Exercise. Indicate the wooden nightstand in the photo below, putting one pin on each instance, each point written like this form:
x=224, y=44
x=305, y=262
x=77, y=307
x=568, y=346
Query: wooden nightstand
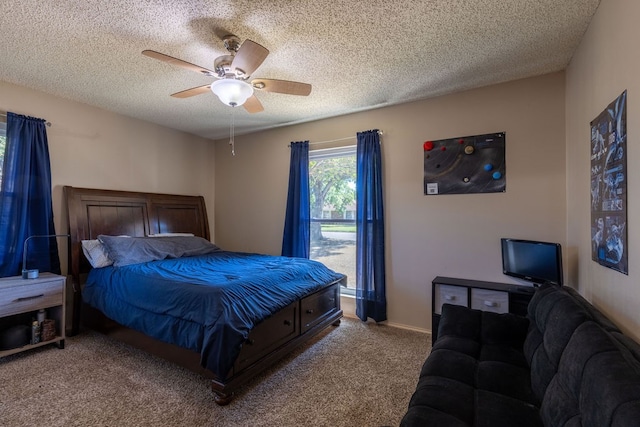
x=21, y=299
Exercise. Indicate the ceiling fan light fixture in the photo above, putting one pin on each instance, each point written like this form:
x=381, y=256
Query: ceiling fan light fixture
x=231, y=91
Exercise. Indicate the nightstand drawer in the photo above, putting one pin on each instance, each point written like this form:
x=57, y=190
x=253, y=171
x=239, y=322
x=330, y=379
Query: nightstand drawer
x=30, y=297
x=445, y=294
x=490, y=300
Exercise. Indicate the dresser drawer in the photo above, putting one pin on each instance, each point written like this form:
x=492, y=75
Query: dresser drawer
x=315, y=308
x=490, y=300
x=25, y=297
x=446, y=294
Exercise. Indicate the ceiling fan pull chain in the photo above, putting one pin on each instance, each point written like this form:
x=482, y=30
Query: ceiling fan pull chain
x=232, y=141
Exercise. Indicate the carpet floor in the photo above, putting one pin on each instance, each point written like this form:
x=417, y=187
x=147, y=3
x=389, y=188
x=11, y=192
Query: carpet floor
x=356, y=374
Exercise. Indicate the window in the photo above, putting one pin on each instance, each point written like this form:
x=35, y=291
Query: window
x=332, y=182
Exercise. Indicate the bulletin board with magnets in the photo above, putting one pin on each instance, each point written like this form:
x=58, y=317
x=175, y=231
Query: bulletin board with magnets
x=464, y=165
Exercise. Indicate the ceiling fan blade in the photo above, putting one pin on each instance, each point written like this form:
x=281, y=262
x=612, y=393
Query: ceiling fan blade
x=253, y=105
x=178, y=62
x=249, y=57
x=192, y=92
x=282, y=86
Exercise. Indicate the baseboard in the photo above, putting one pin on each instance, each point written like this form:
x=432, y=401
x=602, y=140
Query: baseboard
x=348, y=306
x=409, y=328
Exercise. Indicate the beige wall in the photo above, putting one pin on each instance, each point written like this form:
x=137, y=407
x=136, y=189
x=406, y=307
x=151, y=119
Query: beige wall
x=94, y=148
x=456, y=235
x=605, y=64
x=450, y=235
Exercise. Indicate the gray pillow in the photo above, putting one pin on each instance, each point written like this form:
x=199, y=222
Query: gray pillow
x=133, y=250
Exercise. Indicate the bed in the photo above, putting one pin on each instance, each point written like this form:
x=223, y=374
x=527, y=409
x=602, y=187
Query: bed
x=229, y=315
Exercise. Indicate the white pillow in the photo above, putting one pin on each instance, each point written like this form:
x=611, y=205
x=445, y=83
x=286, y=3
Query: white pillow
x=96, y=253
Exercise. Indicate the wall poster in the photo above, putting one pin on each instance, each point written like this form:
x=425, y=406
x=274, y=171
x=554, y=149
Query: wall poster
x=609, y=186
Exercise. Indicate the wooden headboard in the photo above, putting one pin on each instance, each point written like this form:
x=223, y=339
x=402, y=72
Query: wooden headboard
x=92, y=212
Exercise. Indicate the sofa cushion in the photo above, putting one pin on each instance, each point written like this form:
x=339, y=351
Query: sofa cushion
x=498, y=410
x=476, y=374
x=460, y=322
x=506, y=380
x=440, y=401
x=451, y=364
x=505, y=354
x=503, y=329
x=483, y=326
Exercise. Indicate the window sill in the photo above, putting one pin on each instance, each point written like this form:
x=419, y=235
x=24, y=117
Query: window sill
x=347, y=292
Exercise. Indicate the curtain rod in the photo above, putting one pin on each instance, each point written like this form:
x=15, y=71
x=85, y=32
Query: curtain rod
x=4, y=114
x=339, y=139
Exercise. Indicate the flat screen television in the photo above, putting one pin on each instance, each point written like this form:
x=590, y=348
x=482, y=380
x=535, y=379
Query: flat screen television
x=536, y=262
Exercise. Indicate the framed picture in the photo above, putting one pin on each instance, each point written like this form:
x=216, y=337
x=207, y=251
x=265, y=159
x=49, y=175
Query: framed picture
x=463, y=165
x=609, y=186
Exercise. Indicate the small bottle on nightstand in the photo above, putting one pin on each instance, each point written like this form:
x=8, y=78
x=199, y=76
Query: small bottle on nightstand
x=35, y=332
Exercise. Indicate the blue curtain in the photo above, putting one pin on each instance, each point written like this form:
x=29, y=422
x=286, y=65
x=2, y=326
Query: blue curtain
x=25, y=198
x=371, y=298
x=296, y=241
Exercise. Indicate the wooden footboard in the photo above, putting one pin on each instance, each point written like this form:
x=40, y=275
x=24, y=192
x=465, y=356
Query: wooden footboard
x=267, y=343
x=277, y=336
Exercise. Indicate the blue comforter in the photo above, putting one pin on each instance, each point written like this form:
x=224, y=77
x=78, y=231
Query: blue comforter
x=206, y=303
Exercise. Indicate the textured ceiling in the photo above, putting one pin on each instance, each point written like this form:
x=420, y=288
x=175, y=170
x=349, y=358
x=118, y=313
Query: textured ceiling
x=357, y=55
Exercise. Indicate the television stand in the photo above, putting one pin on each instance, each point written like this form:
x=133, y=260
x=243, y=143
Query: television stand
x=487, y=296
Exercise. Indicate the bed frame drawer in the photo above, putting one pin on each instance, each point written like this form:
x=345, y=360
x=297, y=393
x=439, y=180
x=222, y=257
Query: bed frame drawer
x=317, y=307
x=268, y=335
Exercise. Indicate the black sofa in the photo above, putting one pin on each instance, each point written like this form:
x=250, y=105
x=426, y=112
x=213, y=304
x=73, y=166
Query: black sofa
x=565, y=364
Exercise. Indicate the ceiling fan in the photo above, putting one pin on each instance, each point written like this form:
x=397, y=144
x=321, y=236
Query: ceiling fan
x=233, y=71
